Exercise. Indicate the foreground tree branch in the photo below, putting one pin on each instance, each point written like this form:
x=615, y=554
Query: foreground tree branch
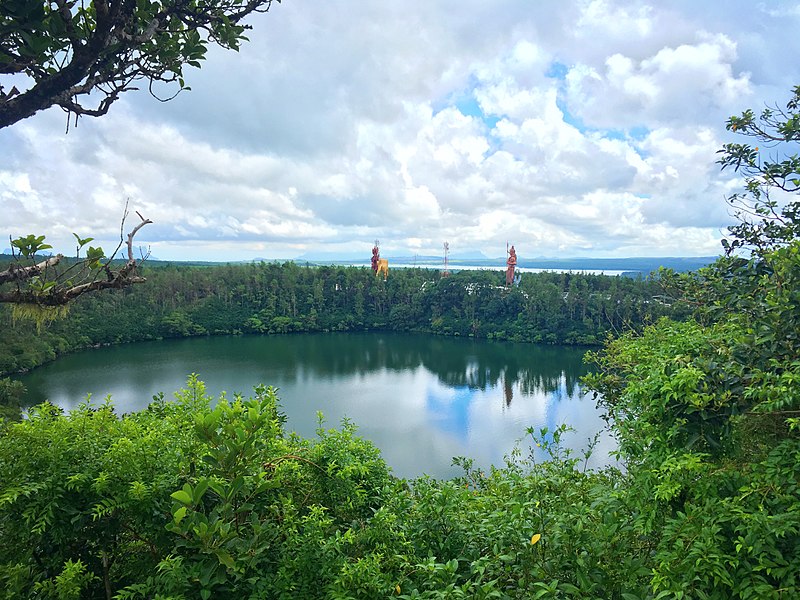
x=57, y=52
x=768, y=211
x=44, y=284
x=20, y=273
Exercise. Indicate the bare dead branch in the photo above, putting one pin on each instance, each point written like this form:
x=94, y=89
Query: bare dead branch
x=19, y=273
x=61, y=297
x=133, y=232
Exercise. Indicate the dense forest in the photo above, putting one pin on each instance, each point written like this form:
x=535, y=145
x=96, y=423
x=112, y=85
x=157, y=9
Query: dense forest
x=270, y=298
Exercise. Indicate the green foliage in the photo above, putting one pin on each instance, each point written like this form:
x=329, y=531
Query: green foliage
x=29, y=245
x=37, y=314
x=705, y=411
x=41, y=289
x=714, y=490
x=736, y=535
x=669, y=389
x=179, y=324
x=12, y=395
x=528, y=530
x=186, y=499
x=258, y=517
x=180, y=499
x=57, y=55
x=766, y=222
x=70, y=584
x=79, y=494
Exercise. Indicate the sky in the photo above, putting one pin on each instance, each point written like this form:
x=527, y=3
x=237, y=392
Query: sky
x=567, y=128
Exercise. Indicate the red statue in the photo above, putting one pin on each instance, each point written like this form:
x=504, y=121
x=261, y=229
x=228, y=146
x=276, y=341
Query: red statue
x=512, y=264
x=375, y=258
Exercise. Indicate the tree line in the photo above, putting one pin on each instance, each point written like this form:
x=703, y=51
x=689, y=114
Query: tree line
x=272, y=298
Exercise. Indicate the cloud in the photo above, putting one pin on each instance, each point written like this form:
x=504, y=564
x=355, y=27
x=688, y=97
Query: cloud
x=689, y=83
x=588, y=128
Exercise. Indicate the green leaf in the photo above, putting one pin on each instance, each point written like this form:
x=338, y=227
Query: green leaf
x=30, y=245
x=182, y=496
x=199, y=490
x=82, y=241
x=179, y=514
x=225, y=558
x=568, y=588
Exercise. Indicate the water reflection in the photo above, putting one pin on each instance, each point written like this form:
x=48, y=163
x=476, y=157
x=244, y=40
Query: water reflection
x=456, y=363
x=421, y=399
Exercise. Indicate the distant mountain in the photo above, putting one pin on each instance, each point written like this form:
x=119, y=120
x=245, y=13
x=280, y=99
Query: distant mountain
x=139, y=251
x=259, y=259
x=632, y=264
x=332, y=257
x=629, y=264
x=467, y=255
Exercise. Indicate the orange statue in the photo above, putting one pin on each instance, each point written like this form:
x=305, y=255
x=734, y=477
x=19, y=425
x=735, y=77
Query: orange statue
x=379, y=265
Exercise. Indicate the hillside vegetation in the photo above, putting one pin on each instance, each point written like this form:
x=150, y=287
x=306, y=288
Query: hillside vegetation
x=269, y=298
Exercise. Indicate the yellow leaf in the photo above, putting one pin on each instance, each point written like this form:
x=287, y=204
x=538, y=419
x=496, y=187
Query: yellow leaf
x=535, y=538
x=397, y=588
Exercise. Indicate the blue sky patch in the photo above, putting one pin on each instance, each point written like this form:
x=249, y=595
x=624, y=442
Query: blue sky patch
x=557, y=70
x=469, y=107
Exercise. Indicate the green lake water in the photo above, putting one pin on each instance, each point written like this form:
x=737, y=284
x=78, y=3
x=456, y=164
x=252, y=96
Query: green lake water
x=421, y=399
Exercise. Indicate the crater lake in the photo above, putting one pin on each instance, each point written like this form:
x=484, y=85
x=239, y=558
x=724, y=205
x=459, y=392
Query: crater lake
x=421, y=399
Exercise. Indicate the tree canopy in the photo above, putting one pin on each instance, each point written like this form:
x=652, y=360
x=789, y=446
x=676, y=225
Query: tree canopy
x=768, y=209
x=82, y=55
